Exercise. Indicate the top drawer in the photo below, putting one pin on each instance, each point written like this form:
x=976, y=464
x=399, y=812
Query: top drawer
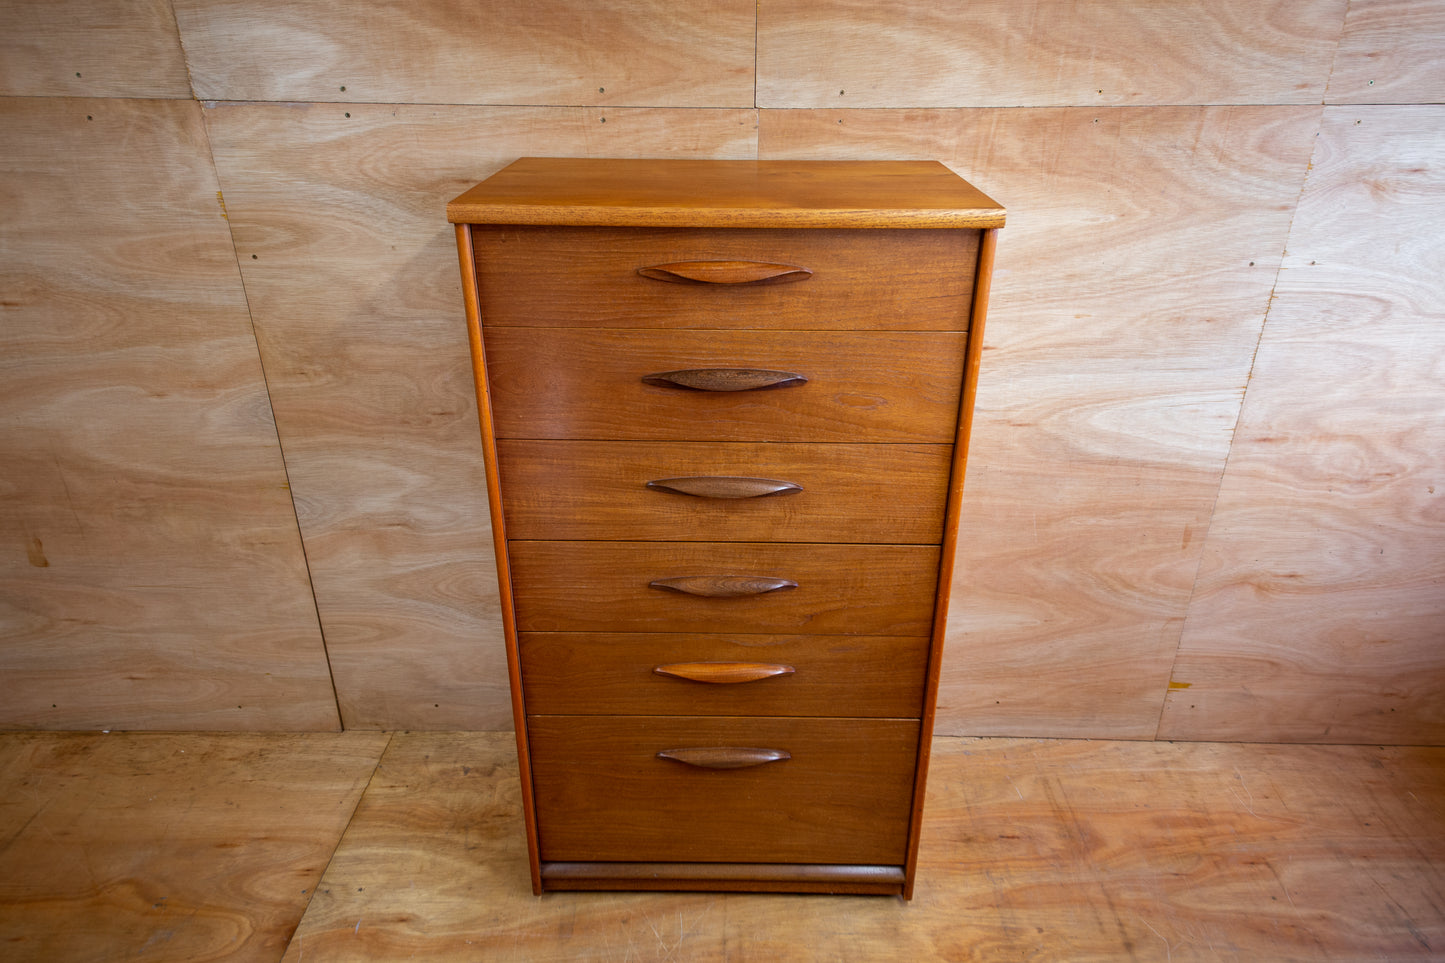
x=900, y=280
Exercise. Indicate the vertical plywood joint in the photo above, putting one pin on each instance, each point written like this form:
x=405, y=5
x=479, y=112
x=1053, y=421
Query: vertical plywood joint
x=1335, y=56
x=1238, y=420
x=276, y=427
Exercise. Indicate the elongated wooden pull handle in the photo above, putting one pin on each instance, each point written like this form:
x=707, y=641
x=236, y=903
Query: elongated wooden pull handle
x=723, y=586
x=723, y=673
x=724, y=379
x=724, y=486
x=725, y=272
x=725, y=757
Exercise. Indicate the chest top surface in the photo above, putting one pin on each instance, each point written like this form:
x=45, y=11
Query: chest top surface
x=717, y=193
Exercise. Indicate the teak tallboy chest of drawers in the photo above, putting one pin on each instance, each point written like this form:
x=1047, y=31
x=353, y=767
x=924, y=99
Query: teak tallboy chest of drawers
x=725, y=409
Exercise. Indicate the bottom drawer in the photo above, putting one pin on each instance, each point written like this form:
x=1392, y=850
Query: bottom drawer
x=841, y=793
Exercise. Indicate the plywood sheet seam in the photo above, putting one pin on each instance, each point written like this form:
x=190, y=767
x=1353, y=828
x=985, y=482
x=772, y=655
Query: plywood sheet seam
x=1238, y=420
x=280, y=442
x=186, y=63
x=390, y=738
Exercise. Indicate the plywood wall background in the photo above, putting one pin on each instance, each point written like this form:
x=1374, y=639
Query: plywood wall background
x=240, y=484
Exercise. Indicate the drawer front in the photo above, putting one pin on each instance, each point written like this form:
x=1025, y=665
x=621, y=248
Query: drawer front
x=920, y=280
x=701, y=491
x=843, y=795
x=561, y=383
x=665, y=673
x=609, y=586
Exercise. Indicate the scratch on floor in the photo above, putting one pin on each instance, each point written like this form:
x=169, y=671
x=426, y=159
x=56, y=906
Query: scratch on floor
x=1168, y=949
x=1250, y=803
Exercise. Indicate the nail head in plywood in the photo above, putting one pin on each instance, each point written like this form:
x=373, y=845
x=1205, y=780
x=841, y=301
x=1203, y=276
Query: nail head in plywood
x=1390, y=54
x=91, y=48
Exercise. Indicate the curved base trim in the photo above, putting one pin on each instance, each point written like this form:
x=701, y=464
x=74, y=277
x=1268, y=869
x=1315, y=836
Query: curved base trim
x=736, y=877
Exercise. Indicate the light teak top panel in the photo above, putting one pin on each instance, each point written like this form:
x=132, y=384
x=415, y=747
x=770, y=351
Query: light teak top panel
x=707, y=193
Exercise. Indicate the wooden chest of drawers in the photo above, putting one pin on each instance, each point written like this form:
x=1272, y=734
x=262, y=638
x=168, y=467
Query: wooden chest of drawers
x=725, y=411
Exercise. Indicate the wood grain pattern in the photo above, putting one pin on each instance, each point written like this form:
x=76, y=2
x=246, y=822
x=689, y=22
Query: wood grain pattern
x=1320, y=611
x=153, y=576
x=630, y=192
x=1069, y=850
x=849, y=493
x=169, y=847
x=617, y=673
x=91, y=48
x=1128, y=297
x=351, y=274
x=887, y=387
x=898, y=280
x=812, y=790
x=1005, y=53
x=1389, y=53
x=842, y=589
x=643, y=53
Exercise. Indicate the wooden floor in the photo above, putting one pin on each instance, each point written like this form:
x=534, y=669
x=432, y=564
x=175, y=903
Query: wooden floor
x=374, y=846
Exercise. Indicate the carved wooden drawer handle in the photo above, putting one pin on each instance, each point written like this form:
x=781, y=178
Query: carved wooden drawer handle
x=725, y=272
x=724, y=379
x=725, y=757
x=724, y=486
x=723, y=586
x=723, y=673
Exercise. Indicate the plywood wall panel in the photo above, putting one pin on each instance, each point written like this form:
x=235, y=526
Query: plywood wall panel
x=91, y=48
x=1391, y=53
x=646, y=53
x=152, y=573
x=1009, y=53
x=1320, y=610
x=351, y=270
x=1130, y=288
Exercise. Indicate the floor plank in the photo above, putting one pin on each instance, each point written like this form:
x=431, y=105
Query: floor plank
x=1032, y=850
x=169, y=846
